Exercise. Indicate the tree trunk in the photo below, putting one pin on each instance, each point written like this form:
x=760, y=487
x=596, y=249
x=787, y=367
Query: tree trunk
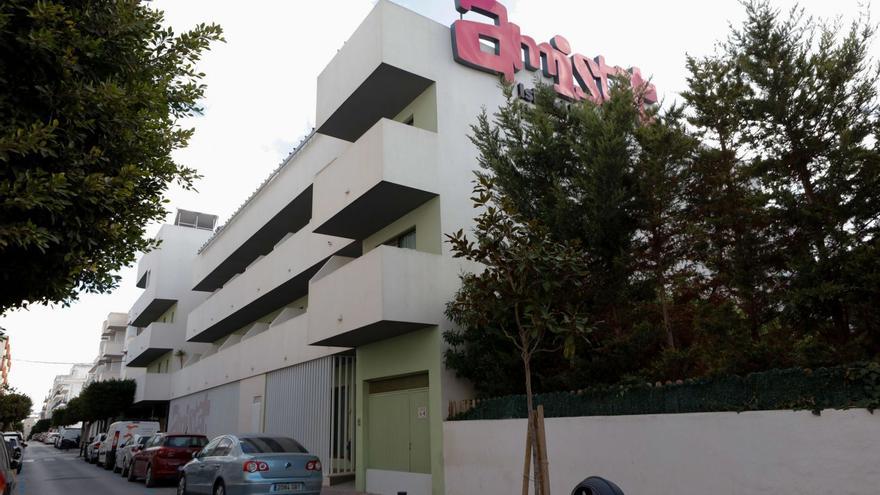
x=527, y=358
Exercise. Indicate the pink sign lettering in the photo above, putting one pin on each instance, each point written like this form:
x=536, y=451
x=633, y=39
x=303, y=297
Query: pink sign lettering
x=500, y=48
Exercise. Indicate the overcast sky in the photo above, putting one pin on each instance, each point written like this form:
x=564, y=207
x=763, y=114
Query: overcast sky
x=261, y=100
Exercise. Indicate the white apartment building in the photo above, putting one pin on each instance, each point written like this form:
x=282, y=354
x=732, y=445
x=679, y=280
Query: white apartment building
x=154, y=342
x=108, y=363
x=5, y=358
x=321, y=301
x=64, y=388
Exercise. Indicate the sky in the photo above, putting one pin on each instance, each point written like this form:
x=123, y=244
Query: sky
x=260, y=102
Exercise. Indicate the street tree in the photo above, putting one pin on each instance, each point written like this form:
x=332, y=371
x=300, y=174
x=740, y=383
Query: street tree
x=91, y=97
x=14, y=407
x=530, y=290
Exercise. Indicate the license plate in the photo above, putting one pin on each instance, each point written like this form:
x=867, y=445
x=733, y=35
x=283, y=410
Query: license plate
x=287, y=487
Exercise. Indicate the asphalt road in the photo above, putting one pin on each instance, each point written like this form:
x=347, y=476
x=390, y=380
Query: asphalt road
x=49, y=471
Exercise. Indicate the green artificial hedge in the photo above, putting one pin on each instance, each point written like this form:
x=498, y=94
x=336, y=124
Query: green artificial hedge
x=841, y=387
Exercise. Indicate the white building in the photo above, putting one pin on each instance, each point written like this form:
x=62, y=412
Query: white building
x=155, y=343
x=108, y=363
x=321, y=301
x=64, y=388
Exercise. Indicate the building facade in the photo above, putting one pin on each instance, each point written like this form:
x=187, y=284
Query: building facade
x=318, y=308
x=64, y=388
x=108, y=363
x=155, y=346
x=5, y=358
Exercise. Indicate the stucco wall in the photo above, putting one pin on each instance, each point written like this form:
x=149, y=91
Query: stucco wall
x=762, y=452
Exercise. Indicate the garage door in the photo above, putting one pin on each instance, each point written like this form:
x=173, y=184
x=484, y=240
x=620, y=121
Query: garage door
x=398, y=433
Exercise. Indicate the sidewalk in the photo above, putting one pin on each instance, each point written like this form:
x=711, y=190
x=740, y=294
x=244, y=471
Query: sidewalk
x=341, y=489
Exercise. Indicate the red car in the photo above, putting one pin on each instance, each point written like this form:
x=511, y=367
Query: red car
x=163, y=455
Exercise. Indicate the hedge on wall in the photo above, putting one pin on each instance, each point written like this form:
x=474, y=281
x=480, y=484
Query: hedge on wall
x=842, y=387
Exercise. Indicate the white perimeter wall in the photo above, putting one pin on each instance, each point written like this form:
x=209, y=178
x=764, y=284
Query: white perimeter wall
x=751, y=453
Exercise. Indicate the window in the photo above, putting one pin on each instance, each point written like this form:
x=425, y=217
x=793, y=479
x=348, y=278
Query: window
x=406, y=240
x=154, y=441
x=223, y=448
x=266, y=445
x=209, y=449
x=185, y=441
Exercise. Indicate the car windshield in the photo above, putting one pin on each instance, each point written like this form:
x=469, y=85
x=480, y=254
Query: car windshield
x=263, y=445
x=186, y=442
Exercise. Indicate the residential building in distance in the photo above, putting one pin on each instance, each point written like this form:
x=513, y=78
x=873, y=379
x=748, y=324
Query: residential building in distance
x=5, y=358
x=108, y=363
x=155, y=339
x=64, y=388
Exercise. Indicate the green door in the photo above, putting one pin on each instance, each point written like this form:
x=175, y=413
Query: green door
x=398, y=433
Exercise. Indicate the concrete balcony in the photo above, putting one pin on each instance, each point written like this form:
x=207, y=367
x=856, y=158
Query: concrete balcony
x=379, y=70
x=283, y=204
x=152, y=304
x=153, y=342
x=386, y=292
x=110, y=348
x=388, y=172
x=114, y=322
x=151, y=387
x=270, y=283
x=276, y=346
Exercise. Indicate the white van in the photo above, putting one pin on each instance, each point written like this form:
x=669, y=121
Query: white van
x=119, y=434
x=69, y=438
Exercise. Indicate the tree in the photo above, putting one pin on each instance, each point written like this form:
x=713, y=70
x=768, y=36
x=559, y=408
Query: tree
x=41, y=426
x=60, y=417
x=792, y=107
x=14, y=407
x=530, y=290
x=106, y=399
x=90, y=97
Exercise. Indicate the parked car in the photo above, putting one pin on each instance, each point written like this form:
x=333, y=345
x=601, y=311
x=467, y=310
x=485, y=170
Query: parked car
x=69, y=438
x=50, y=438
x=92, y=448
x=162, y=457
x=15, y=449
x=120, y=433
x=251, y=464
x=125, y=454
x=7, y=472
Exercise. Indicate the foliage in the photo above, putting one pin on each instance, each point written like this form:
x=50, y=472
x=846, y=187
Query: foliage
x=839, y=387
x=14, y=407
x=60, y=417
x=106, y=399
x=735, y=234
x=41, y=426
x=90, y=97
x=529, y=290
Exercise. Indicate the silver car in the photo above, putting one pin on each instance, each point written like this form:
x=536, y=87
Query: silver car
x=125, y=454
x=251, y=465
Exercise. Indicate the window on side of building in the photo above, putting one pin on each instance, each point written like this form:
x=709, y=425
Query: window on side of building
x=406, y=240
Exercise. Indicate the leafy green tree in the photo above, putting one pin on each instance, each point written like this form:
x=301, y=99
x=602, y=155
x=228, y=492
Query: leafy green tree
x=530, y=287
x=106, y=399
x=90, y=97
x=791, y=106
x=41, y=426
x=14, y=407
x=59, y=417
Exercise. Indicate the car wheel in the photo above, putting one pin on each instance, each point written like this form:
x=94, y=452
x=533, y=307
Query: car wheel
x=219, y=488
x=181, y=486
x=131, y=476
x=149, y=482
x=117, y=468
